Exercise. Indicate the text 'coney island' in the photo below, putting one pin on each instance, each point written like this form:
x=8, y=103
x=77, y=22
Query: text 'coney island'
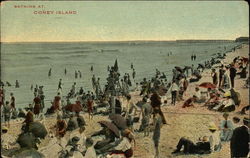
x=54, y=12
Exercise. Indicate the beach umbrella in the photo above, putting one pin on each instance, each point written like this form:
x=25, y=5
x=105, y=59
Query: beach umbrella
x=38, y=129
x=118, y=120
x=112, y=127
x=27, y=140
x=116, y=66
x=73, y=107
x=207, y=85
x=29, y=153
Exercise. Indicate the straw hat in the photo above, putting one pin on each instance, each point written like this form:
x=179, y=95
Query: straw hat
x=227, y=94
x=4, y=128
x=212, y=126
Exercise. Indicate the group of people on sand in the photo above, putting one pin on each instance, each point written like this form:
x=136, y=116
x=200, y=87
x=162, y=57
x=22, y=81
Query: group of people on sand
x=228, y=131
x=118, y=137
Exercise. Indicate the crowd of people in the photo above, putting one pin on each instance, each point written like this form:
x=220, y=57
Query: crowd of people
x=117, y=136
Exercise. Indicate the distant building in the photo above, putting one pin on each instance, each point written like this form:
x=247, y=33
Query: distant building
x=242, y=39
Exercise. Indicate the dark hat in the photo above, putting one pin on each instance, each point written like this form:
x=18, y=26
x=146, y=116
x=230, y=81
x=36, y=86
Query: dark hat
x=237, y=119
x=89, y=141
x=75, y=139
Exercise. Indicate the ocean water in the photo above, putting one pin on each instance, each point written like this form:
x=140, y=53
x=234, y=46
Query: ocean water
x=29, y=63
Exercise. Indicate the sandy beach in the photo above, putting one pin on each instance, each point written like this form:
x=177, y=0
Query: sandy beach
x=191, y=122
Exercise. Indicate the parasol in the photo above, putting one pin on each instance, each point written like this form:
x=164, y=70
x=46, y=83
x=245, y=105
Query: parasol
x=73, y=107
x=38, y=129
x=118, y=120
x=207, y=85
x=111, y=127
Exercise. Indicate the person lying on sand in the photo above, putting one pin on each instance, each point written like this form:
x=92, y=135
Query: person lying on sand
x=201, y=147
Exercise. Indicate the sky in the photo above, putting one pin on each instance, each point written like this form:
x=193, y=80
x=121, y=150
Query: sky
x=124, y=20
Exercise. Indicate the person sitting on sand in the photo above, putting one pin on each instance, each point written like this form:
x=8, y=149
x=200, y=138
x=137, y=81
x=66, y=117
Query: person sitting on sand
x=90, y=152
x=29, y=118
x=213, y=101
x=60, y=128
x=82, y=138
x=201, y=147
x=226, y=127
x=125, y=145
x=243, y=73
x=228, y=105
x=107, y=143
x=189, y=102
x=214, y=138
x=72, y=123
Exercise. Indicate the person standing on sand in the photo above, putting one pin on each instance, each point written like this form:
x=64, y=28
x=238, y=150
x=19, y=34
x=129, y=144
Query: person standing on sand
x=146, y=110
x=214, y=77
x=174, y=90
x=239, y=144
x=90, y=104
x=157, y=123
x=233, y=72
x=12, y=101
x=57, y=103
x=37, y=105
x=221, y=71
x=156, y=103
x=131, y=111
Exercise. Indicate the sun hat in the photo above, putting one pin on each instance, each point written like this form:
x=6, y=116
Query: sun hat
x=212, y=126
x=227, y=94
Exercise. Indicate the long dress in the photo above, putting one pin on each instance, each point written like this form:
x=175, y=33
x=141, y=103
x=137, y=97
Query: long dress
x=37, y=105
x=157, y=129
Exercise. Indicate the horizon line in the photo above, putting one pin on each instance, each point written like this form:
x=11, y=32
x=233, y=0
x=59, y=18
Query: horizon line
x=124, y=41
